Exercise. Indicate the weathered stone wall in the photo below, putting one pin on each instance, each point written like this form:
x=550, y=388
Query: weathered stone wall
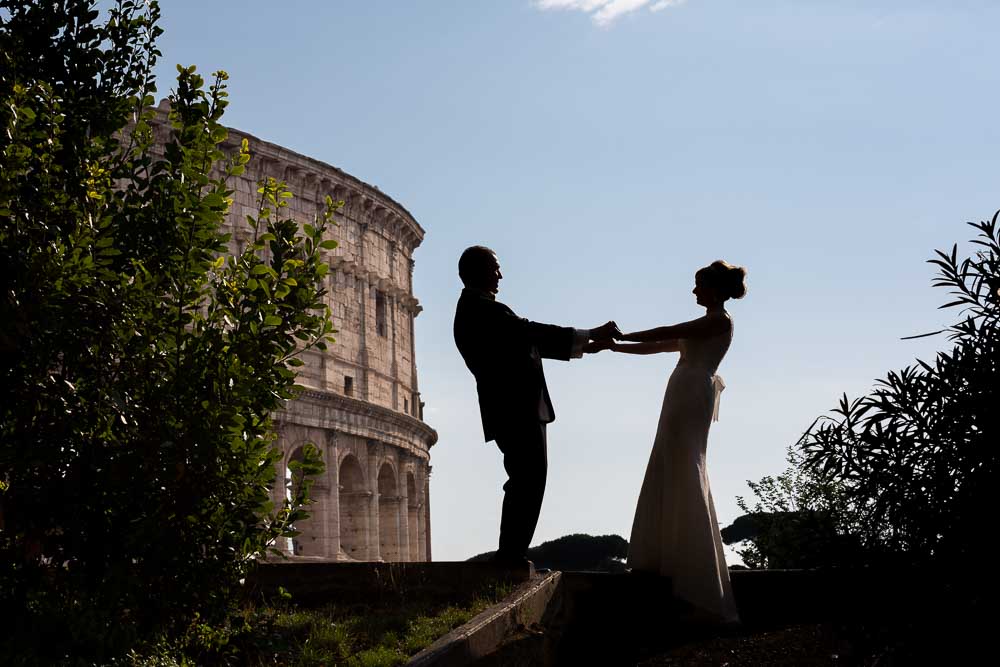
x=372, y=503
x=362, y=406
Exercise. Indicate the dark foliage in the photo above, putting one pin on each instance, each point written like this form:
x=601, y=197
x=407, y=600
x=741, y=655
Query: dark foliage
x=807, y=536
x=799, y=520
x=917, y=460
x=140, y=359
x=904, y=480
x=904, y=475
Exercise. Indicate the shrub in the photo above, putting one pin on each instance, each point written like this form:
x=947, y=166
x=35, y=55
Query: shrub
x=907, y=473
x=917, y=459
x=799, y=520
x=141, y=352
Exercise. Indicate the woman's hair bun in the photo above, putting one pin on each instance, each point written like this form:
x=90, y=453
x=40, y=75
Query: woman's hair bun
x=730, y=280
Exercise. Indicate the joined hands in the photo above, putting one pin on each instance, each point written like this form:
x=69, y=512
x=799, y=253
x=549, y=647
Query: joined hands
x=602, y=337
x=606, y=332
x=597, y=346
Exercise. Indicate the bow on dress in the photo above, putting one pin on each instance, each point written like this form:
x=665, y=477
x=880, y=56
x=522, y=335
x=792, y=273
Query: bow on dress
x=717, y=386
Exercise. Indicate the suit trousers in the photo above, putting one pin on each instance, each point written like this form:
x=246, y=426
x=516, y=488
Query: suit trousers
x=525, y=458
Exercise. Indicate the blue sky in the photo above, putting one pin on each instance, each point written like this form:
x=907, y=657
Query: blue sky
x=606, y=151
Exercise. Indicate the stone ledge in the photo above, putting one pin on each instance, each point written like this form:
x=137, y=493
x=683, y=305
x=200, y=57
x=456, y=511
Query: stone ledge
x=375, y=417
x=485, y=633
x=313, y=583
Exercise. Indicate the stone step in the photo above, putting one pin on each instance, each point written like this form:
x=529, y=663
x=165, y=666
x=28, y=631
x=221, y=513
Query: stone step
x=318, y=582
x=507, y=633
x=596, y=614
x=584, y=618
x=620, y=619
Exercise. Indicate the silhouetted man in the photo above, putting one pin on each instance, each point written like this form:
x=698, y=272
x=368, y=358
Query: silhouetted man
x=504, y=353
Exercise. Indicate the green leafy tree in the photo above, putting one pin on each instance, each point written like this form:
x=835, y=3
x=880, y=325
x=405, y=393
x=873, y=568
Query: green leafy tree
x=798, y=520
x=142, y=351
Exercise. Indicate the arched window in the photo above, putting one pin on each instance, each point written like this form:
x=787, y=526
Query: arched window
x=353, y=509
x=388, y=513
x=307, y=542
x=413, y=516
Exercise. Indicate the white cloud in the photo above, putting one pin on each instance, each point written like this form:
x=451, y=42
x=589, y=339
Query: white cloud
x=604, y=12
x=664, y=4
x=585, y=5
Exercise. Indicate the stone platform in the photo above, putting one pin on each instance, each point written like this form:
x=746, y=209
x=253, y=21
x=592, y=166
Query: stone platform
x=314, y=583
x=577, y=618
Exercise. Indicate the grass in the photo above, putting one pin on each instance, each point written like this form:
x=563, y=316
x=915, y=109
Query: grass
x=381, y=634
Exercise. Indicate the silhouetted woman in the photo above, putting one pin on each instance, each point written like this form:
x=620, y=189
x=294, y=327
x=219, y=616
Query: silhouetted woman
x=675, y=532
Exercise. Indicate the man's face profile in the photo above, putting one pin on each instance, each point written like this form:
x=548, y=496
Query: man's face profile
x=480, y=268
x=491, y=273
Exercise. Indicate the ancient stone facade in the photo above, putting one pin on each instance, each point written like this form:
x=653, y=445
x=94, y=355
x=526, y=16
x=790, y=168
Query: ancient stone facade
x=362, y=404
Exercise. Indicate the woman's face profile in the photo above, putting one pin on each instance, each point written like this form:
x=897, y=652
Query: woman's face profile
x=705, y=295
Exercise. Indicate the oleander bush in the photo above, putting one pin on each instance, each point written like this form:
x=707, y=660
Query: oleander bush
x=918, y=459
x=903, y=480
x=908, y=473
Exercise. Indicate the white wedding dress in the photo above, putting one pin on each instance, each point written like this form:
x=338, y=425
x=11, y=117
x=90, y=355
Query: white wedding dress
x=675, y=532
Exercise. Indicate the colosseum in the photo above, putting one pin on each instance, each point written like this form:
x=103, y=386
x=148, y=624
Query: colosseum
x=361, y=405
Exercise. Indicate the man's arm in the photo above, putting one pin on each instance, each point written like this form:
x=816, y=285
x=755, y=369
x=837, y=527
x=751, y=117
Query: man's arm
x=551, y=341
x=581, y=337
x=555, y=342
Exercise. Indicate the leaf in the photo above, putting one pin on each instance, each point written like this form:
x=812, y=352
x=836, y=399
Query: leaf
x=214, y=200
x=272, y=321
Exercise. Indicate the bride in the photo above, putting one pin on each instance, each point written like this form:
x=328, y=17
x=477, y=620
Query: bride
x=675, y=532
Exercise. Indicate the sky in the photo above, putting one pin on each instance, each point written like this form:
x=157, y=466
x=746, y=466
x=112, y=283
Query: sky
x=607, y=149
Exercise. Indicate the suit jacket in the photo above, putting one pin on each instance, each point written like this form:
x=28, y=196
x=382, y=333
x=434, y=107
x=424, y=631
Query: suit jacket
x=504, y=353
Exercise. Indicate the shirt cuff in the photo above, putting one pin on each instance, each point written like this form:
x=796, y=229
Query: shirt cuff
x=580, y=338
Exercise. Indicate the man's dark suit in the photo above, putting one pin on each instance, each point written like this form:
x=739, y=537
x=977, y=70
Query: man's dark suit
x=504, y=353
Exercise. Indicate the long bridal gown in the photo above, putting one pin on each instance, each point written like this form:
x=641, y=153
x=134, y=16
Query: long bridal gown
x=675, y=532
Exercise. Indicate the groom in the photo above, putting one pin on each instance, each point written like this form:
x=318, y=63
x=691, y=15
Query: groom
x=504, y=353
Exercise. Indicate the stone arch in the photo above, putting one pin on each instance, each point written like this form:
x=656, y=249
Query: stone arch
x=388, y=513
x=353, y=508
x=309, y=541
x=413, y=516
